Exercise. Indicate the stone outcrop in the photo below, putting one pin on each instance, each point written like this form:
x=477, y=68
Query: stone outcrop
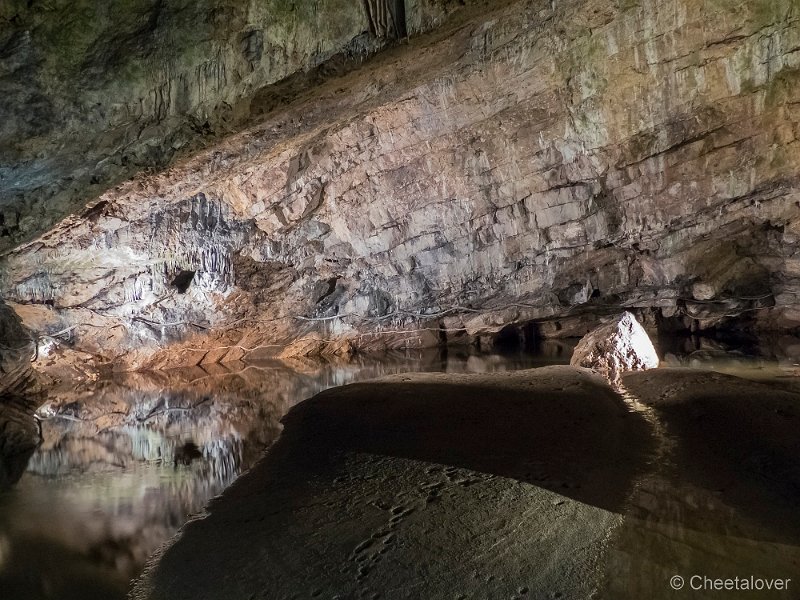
x=531, y=162
x=616, y=347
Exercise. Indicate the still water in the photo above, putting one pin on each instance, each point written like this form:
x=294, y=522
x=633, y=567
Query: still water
x=125, y=463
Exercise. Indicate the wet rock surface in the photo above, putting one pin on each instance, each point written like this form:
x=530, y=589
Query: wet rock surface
x=433, y=486
x=407, y=486
x=535, y=162
x=19, y=437
x=618, y=346
x=721, y=499
x=737, y=438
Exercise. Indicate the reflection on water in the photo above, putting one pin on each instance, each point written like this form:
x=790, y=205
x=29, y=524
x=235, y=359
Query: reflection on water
x=769, y=359
x=722, y=499
x=124, y=463
x=480, y=488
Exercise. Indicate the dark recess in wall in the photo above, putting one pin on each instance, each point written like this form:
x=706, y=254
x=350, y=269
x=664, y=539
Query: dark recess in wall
x=400, y=18
x=182, y=281
x=387, y=18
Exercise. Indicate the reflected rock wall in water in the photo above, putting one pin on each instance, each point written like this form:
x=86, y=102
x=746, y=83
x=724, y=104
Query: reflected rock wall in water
x=129, y=466
x=17, y=346
x=19, y=437
x=125, y=462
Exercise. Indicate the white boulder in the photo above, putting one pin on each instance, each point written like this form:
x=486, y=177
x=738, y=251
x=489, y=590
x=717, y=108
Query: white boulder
x=615, y=347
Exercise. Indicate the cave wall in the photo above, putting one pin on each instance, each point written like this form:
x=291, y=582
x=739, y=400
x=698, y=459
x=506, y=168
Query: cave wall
x=535, y=161
x=17, y=348
x=94, y=92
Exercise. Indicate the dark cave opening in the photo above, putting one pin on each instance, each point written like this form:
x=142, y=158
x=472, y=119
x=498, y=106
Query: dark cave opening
x=517, y=337
x=183, y=281
x=387, y=18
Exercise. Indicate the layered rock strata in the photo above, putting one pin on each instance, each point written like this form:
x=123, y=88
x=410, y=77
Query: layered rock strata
x=17, y=349
x=527, y=164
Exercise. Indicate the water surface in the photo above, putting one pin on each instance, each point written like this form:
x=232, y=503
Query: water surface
x=124, y=463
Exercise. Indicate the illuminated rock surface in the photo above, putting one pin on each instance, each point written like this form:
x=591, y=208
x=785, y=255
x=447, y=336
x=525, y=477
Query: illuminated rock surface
x=619, y=346
x=532, y=160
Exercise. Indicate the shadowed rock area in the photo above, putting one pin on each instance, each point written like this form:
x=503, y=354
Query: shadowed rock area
x=722, y=499
x=17, y=348
x=19, y=434
x=95, y=92
x=426, y=486
x=542, y=484
x=19, y=437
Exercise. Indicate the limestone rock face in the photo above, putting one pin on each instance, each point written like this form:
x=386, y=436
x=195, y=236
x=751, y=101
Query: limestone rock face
x=616, y=347
x=533, y=160
x=95, y=92
x=16, y=349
